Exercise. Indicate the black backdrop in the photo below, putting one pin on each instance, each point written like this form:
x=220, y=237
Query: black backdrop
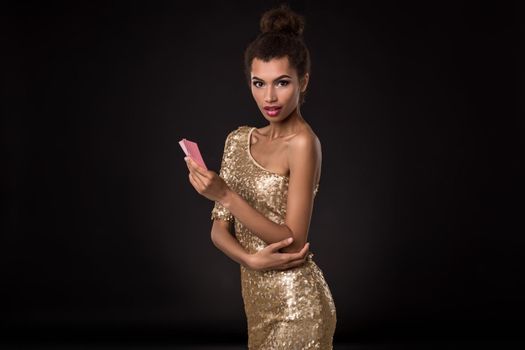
x=418, y=223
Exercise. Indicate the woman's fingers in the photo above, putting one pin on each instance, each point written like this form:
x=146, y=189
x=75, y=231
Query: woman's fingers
x=200, y=175
x=191, y=166
x=197, y=168
x=293, y=259
x=302, y=253
x=196, y=182
x=281, y=244
x=296, y=259
x=273, y=260
x=198, y=178
x=188, y=164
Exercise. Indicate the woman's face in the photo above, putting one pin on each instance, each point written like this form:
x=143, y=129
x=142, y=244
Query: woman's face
x=276, y=87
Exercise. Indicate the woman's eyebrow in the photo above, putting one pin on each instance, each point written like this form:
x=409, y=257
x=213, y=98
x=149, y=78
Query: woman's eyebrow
x=280, y=77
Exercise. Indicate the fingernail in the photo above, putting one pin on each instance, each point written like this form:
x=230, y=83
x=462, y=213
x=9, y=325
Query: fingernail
x=186, y=159
x=290, y=239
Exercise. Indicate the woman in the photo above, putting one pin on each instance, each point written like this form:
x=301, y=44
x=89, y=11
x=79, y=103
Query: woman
x=265, y=191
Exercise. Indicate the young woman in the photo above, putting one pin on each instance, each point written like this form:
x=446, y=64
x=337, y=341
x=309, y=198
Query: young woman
x=265, y=190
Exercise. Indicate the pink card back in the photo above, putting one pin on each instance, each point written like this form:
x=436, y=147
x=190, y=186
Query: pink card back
x=191, y=149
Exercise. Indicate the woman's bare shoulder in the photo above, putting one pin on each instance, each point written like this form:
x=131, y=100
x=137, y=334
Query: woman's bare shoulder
x=305, y=136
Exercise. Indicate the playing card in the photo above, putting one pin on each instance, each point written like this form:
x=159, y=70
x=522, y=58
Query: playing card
x=191, y=149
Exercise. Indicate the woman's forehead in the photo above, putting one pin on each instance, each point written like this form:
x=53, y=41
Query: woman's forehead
x=271, y=69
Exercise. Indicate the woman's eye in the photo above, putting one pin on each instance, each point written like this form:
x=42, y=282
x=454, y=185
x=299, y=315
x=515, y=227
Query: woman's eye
x=281, y=82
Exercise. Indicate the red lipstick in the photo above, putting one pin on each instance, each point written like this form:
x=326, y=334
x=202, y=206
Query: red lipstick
x=272, y=111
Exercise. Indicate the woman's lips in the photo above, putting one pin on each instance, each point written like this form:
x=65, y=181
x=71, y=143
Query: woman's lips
x=272, y=111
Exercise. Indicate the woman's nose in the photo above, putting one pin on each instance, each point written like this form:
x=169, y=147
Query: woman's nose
x=269, y=95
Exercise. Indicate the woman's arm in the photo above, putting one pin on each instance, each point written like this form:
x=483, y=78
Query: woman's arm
x=229, y=245
x=264, y=228
x=269, y=258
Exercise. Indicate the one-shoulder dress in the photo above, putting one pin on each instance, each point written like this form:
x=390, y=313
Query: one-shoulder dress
x=285, y=309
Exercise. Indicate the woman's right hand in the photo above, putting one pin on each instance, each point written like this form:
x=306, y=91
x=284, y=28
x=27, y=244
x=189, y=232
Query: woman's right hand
x=269, y=258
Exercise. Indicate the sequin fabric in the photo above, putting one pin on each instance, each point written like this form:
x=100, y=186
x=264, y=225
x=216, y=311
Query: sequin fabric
x=290, y=309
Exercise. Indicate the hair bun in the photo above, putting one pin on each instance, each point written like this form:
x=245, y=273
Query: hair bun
x=282, y=19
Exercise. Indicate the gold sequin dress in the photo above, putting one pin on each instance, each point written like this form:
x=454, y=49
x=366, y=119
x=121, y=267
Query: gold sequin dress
x=285, y=309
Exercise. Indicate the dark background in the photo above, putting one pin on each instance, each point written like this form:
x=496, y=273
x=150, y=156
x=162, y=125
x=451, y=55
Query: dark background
x=418, y=224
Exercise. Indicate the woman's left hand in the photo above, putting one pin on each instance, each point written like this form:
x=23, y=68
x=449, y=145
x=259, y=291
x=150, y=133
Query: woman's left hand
x=206, y=182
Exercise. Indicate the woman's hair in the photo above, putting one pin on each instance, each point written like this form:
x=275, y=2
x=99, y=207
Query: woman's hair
x=281, y=35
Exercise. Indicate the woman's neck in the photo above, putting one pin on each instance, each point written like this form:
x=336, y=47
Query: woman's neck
x=286, y=127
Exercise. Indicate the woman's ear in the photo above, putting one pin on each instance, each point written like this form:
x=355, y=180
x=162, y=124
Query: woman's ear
x=304, y=82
